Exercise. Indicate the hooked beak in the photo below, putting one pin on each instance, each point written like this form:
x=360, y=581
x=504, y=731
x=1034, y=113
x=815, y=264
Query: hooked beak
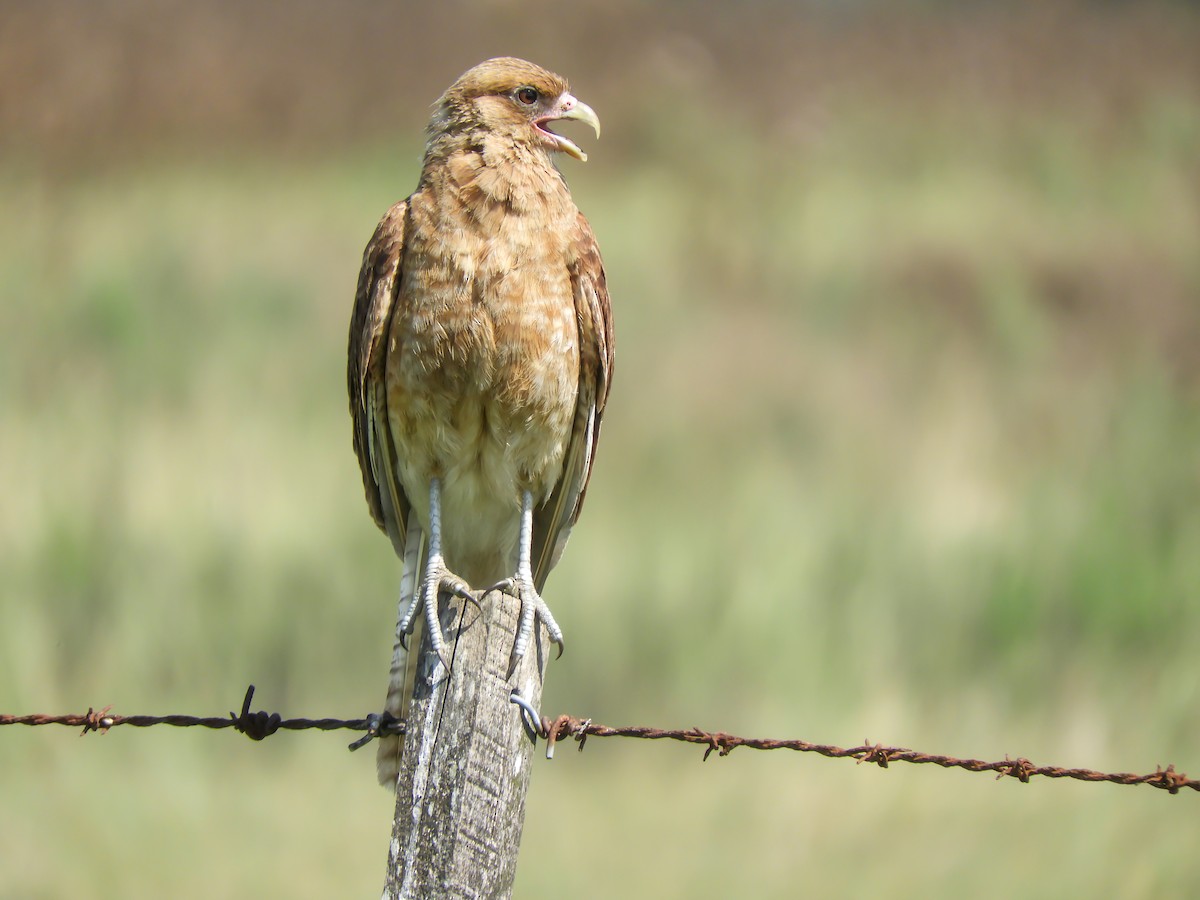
x=568, y=107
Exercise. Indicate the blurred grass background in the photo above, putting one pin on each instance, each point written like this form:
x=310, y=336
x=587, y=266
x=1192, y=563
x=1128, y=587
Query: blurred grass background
x=902, y=445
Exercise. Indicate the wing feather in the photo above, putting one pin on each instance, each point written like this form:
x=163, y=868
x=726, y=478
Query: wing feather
x=554, y=520
x=374, y=302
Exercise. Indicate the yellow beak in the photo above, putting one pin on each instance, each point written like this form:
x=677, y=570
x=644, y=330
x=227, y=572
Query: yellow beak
x=568, y=107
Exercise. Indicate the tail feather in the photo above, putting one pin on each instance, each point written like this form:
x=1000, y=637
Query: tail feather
x=403, y=670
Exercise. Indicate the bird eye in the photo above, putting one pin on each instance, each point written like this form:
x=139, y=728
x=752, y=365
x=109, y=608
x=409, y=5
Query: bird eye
x=527, y=96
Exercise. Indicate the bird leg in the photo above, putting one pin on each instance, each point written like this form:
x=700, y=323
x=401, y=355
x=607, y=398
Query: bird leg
x=437, y=578
x=521, y=586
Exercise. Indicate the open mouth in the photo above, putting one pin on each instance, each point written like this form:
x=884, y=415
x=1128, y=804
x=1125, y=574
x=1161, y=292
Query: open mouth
x=567, y=107
x=558, y=142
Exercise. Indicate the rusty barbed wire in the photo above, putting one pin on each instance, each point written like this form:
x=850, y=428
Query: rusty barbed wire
x=553, y=730
x=259, y=725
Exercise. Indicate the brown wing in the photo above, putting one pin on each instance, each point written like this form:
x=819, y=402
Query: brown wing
x=553, y=521
x=374, y=301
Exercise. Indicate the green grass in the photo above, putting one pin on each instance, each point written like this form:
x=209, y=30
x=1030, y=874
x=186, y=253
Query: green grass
x=901, y=446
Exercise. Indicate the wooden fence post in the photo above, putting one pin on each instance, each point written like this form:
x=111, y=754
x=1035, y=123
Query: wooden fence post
x=460, y=799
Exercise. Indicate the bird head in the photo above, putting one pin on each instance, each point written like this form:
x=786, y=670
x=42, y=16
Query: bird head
x=514, y=98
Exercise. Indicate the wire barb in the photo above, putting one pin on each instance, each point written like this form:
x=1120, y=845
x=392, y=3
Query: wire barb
x=255, y=726
x=97, y=721
x=378, y=725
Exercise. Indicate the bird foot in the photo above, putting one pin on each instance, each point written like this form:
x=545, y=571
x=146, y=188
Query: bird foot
x=532, y=606
x=438, y=579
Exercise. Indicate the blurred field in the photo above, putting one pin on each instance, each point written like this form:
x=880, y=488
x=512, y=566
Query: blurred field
x=903, y=443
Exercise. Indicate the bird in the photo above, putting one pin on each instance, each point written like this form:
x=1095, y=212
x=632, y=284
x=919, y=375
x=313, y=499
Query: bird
x=480, y=357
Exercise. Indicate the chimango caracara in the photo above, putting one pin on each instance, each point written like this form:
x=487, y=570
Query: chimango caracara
x=481, y=351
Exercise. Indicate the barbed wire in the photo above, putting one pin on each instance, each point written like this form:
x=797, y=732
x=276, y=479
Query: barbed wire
x=255, y=725
x=259, y=725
